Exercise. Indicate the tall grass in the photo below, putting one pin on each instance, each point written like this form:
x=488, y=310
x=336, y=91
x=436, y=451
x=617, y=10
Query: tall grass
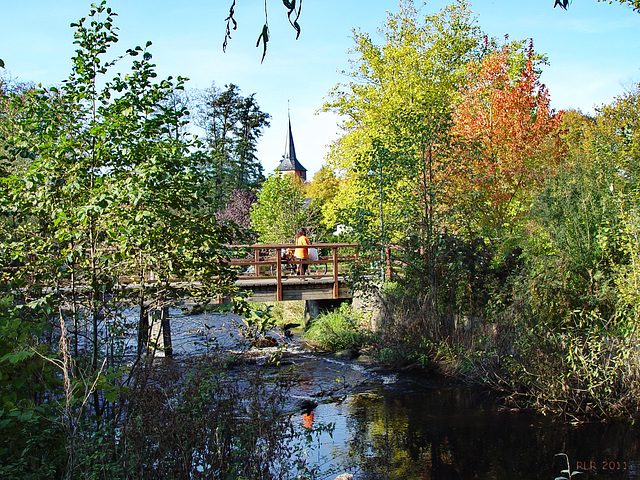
x=339, y=330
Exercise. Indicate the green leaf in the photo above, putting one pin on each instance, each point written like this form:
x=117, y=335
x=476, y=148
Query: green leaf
x=264, y=38
x=16, y=357
x=111, y=395
x=1, y=63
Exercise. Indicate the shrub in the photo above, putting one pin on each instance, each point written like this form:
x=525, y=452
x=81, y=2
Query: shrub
x=578, y=373
x=338, y=330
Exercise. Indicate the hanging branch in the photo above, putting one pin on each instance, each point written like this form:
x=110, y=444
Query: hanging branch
x=559, y=3
x=264, y=36
x=294, y=9
x=291, y=5
x=230, y=20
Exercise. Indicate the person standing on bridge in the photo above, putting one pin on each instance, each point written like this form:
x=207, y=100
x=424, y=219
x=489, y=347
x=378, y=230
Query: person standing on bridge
x=302, y=253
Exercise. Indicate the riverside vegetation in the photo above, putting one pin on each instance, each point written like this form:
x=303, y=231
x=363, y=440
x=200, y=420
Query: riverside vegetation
x=510, y=230
x=101, y=185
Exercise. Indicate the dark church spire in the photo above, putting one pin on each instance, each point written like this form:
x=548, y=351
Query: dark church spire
x=289, y=162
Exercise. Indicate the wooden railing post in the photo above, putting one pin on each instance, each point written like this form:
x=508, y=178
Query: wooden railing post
x=336, y=291
x=389, y=264
x=279, y=274
x=165, y=324
x=256, y=257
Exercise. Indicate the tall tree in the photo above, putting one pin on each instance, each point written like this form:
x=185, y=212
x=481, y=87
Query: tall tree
x=237, y=213
x=619, y=124
x=504, y=111
x=110, y=193
x=323, y=190
x=233, y=125
x=397, y=107
x=247, y=170
x=280, y=210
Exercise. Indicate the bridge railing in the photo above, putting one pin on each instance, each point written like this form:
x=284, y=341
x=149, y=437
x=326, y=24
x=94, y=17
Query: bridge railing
x=269, y=261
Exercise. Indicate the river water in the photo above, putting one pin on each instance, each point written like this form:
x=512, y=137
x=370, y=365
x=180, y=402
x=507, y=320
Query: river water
x=401, y=426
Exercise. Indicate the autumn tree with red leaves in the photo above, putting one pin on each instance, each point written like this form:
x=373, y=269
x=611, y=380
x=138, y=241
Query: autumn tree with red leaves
x=504, y=112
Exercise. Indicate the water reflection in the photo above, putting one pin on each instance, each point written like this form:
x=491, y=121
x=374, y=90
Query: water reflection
x=455, y=432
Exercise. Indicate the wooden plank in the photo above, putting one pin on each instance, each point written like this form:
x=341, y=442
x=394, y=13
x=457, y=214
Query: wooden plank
x=273, y=246
x=290, y=294
x=256, y=267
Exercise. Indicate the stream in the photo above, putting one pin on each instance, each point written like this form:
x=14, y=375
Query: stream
x=390, y=425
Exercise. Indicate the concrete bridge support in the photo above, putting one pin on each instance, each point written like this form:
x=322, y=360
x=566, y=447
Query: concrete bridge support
x=372, y=304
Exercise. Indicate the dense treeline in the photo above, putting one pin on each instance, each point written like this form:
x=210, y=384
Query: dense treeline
x=515, y=225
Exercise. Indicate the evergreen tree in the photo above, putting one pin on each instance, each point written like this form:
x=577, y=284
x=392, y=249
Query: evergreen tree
x=233, y=124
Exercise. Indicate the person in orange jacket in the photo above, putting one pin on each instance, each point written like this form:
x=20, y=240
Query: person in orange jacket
x=302, y=253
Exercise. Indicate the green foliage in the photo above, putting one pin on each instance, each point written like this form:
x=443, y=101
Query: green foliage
x=233, y=124
x=587, y=373
x=339, y=330
x=28, y=421
x=574, y=351
x=395, y=154
x=111, y=190
x=567, y=471
x=323, y=189
x=13, y=97
x=574, y=255
x=279, y=212
x=110, y=193
x=283, y=312
x=258, y=321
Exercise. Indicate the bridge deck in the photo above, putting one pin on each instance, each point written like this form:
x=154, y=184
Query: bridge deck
x=267, y=269
x=294, y=288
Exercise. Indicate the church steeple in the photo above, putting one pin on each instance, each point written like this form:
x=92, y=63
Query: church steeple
x=289, y=162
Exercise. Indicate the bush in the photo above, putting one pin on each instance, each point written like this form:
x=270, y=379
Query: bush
x=339, y=330
x=283, y=312
x=582, y=374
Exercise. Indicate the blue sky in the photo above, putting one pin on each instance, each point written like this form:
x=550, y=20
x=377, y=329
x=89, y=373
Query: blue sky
x=593, y=49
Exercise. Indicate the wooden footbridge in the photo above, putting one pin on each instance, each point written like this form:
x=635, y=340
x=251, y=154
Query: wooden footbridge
x=268, y=272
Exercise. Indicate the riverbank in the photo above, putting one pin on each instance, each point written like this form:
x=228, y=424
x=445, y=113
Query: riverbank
x=405, y=425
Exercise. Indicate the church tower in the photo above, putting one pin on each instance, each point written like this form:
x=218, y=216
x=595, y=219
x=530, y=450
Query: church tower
x=289, y=163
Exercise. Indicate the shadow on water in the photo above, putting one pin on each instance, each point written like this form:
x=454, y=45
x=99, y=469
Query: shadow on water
x=400, y=426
